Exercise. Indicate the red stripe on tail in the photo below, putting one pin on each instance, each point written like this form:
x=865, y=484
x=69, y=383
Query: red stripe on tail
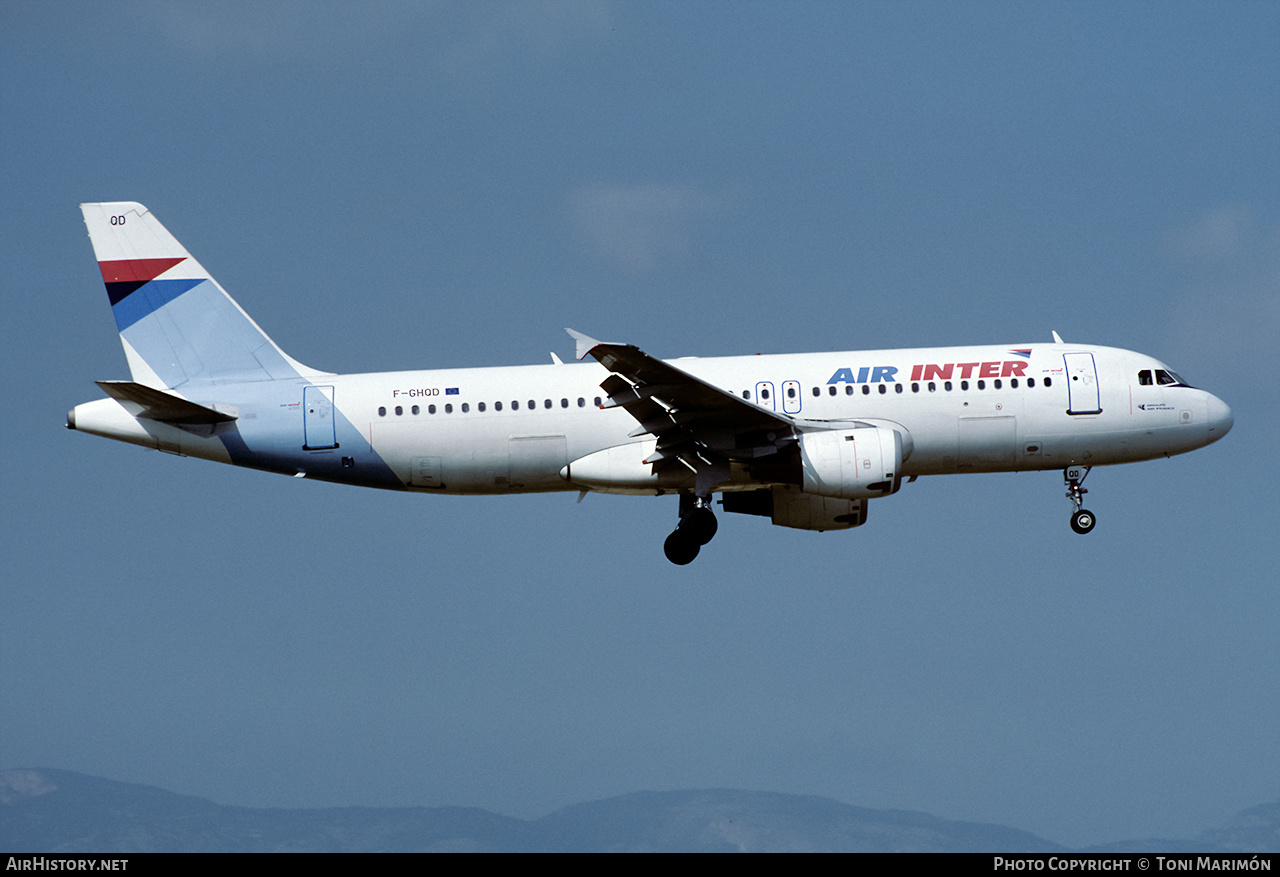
x=135, y=270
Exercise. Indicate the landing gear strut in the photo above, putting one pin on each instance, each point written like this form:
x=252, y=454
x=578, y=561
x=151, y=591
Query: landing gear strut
x=1082, y=520
x=696, y=528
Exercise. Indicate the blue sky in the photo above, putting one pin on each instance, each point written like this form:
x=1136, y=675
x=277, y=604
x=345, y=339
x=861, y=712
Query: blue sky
x=412, y=185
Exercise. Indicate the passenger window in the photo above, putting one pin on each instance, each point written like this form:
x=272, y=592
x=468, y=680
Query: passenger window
x=597, y=401
x=564, y=403
x=399, y=411
x=415, y=409
x=932, y=387
x=848, y=389
x=1031, y=382
x=582, y=403
x=497, y=406
x=883, y=389
x=964, y=385
x=532, y=405
x=546, y=403
x=866, y=389
x=479, y=407
x=946, y=385
x=982, y=385
x=915, y=388
x=1048, y=382
x=431, y=409
x=465, y=407
x=897, y=388
x=382, y=412
x=448, y=409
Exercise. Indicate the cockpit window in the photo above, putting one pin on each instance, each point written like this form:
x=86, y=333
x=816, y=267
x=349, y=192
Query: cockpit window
x=1169, y=379
x=1144, y=377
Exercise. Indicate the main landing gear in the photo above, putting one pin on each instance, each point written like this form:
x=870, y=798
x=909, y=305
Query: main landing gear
x=1082, y=520
x=696, y=528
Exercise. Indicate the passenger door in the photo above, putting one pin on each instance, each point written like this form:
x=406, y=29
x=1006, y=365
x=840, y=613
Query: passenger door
x=1082, y=384
x=318, y=432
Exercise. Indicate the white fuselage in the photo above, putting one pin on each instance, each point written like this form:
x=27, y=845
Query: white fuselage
x=520, y=429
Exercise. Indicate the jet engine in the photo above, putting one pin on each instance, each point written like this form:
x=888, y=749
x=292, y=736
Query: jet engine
x=859, y=463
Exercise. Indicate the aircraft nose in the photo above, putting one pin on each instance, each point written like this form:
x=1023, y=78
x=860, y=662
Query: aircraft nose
x=1219, y=417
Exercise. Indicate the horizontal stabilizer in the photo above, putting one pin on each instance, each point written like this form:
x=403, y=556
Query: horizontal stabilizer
x=159, y=405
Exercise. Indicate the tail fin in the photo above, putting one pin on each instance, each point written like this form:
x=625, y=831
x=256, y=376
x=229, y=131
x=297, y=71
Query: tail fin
x=177, y=324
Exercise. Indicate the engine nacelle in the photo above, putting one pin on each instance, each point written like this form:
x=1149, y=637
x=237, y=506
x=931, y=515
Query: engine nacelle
x=859, y=463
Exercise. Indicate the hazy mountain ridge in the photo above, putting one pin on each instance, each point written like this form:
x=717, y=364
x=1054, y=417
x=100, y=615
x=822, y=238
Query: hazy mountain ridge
x=54, y=811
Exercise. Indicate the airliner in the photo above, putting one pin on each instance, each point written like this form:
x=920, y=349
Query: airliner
x=806, y=440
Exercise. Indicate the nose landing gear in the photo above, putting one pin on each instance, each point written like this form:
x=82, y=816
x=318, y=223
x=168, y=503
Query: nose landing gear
x=697, y=527
x=1082, y=520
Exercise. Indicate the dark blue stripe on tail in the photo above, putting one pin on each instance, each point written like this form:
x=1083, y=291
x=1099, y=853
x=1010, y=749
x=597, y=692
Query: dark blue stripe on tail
x=148, y=298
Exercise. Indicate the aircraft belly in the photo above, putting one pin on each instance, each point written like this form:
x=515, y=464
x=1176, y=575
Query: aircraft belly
x=422, y=455
x=986, y=443
x=472, y=457
x=1039, y=438
x=534, y=462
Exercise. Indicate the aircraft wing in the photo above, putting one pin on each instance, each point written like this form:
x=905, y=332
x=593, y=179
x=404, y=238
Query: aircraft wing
x=696, y=424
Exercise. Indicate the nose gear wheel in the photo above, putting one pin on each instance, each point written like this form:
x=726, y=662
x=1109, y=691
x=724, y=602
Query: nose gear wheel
x=1082, y=520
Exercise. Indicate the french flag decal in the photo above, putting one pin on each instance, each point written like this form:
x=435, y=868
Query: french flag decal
x=1025, y=352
